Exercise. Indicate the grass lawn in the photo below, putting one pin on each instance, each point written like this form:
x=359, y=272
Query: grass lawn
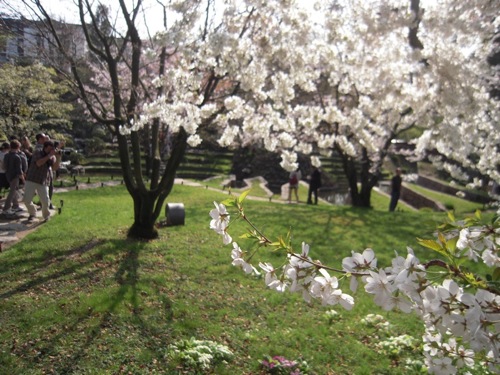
x=459, y=205
x=78, y=297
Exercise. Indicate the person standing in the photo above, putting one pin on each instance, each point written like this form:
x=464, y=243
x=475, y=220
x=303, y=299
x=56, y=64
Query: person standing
x=26, y=148
x=4, y=150
x=20, y=188
x=293, y=185
x=40, y=140
x=395, y=189
x=314, y=185
x=13, y=165
x=38, y=179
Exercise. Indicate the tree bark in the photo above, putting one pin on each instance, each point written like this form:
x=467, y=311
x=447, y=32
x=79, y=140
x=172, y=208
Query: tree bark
x=361, y=181
x=148, y=203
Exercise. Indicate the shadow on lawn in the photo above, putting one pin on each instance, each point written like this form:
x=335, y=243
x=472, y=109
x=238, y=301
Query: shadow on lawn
x=85, y=329
x=44, y=262
x=347, y=228
x=397, y=227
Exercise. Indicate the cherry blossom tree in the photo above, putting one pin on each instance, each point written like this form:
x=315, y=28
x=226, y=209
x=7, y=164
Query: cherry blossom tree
x=366, y=74
x=270, y=74
x=458, y=38
x=210, y=60
x=120, y=65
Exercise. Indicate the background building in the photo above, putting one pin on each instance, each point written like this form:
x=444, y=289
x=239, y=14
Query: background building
x=26, y=41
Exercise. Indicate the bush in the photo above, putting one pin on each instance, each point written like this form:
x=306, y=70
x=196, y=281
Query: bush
x=94, y=145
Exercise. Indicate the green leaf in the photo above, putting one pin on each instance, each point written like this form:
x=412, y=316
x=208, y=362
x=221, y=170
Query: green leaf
x=243, y=195
x=442, y=238
x=229, y=202
x=469, y=277
x=496, y=274
x=283, y=243
x=433, y=245
x=451, y=216
x=247, y=236
x=451, y=245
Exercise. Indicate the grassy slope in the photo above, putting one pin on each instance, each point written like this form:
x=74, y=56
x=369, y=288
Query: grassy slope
x=459, y=205
x=78, y=297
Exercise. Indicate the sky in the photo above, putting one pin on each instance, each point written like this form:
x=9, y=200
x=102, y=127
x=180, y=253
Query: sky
x=67, y=11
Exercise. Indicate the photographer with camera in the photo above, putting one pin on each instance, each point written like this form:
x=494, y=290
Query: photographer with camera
x=39, y=177
x=40, y=140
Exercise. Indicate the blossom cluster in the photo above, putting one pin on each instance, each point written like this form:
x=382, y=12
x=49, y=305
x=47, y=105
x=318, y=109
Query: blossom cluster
x=294, y=81
x=452, y=302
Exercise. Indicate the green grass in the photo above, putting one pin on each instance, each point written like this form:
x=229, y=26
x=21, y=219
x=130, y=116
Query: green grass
x=459, y=205
x=381, y=202
x=78, y=297
x=255, y=189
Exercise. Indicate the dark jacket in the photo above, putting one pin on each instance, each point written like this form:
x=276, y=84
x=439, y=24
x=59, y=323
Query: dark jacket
x=315, y=182
x=13, y=165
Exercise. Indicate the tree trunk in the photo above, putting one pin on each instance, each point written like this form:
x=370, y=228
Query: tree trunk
x=365, y=195
x=144, y=218
x=148, y=203
x=359, y=197
x=148, y=154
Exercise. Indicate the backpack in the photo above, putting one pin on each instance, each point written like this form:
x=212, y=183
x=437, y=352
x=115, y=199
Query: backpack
x=294, y=180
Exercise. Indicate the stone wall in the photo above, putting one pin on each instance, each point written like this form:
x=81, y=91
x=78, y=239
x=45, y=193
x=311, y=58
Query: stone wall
x=419, y=201
x=432, y=184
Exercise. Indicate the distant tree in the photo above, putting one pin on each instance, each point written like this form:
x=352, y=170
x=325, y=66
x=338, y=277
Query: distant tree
x=30, y=99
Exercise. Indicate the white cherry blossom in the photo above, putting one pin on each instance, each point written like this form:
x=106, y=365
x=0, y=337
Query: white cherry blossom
x=445, y=308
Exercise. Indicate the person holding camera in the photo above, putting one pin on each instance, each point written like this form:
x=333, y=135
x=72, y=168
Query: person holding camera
x=40, y=140
x=38, y=179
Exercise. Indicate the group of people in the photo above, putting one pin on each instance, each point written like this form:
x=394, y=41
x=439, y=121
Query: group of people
x=29, y=168
x=314, y=185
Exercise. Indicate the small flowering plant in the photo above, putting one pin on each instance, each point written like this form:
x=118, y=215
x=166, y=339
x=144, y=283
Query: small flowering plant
x=198, y=356
x=282, y=366
x=460, y=309
x=331, y=316
x=376, y=321
x=401, y=348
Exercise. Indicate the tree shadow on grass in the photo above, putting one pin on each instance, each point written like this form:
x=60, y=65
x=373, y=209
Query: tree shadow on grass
x=43, y=262
x=86, y=327
x=346, y=229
